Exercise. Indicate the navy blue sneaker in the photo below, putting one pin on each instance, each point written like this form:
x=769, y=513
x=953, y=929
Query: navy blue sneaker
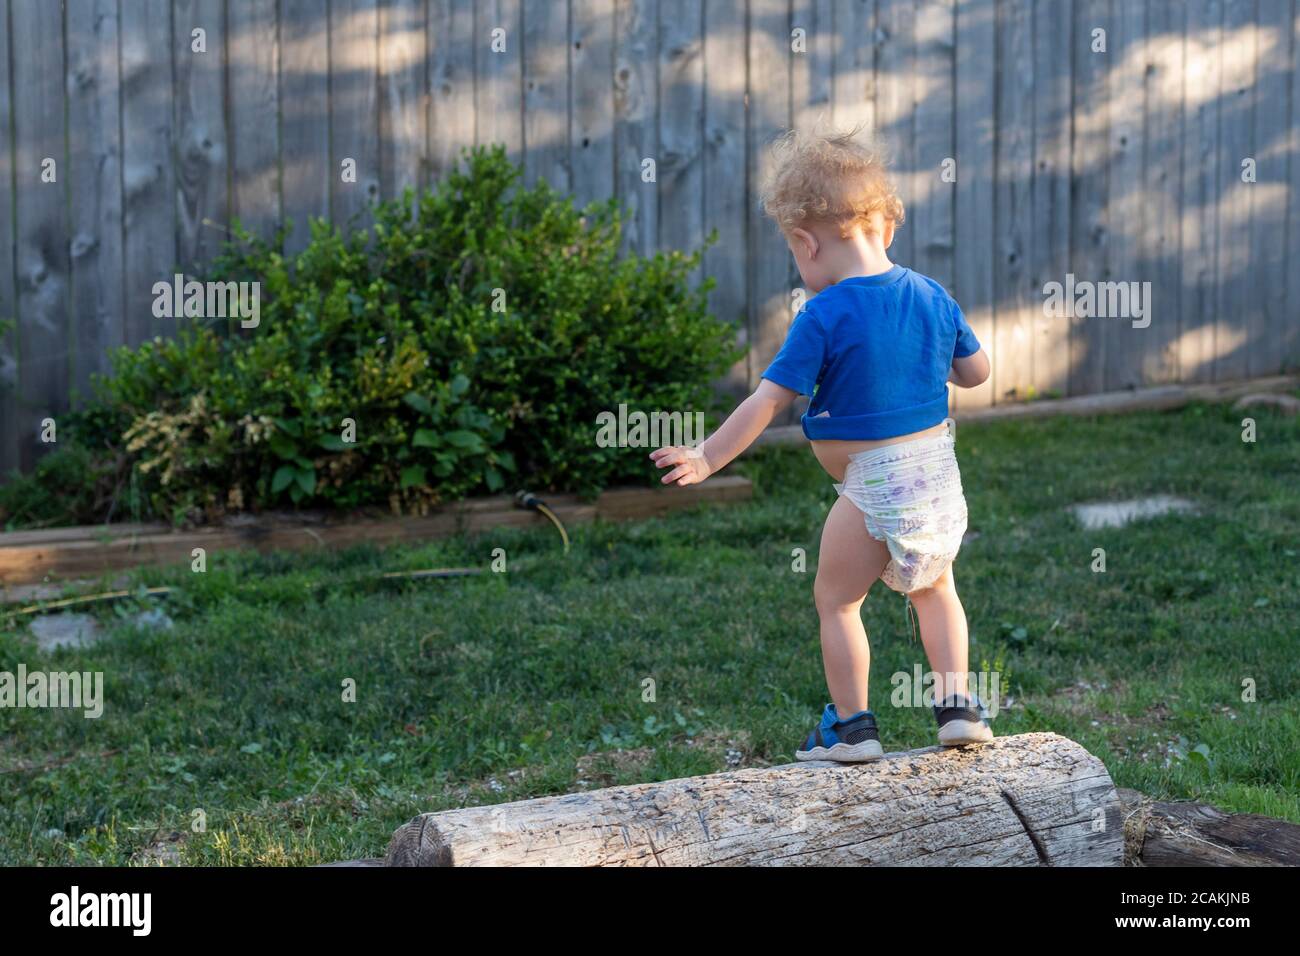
x=962, y=720
x=854, y=740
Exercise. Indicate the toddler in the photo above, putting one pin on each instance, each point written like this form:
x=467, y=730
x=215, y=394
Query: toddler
x=874, y=348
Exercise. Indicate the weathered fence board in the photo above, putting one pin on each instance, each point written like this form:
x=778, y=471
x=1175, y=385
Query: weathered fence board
x=591, y=124
x=254, y=136
x=306, y=169
x=1125, y=204
x=932, y=222
x=975, y=147
x=1162, y=182
x=546, y=97
x=1268, y=321
x=636, y=132
x=896, y=106
x=1201, y=190
x=1290, y=344
x=1237, y=280
x=199, y=78
x=1089, y=220
x=354, y=108
x=8, y=290
x=148, y=163
x=725, y=188
x=1013, y=203
x=402, y=88
x=40, y=227
x=681, y=124
x=95, y=187
x=1087, y=137
x=498, y=79
x=1049, y=252
x=813, y=71
x=450, y=46
x=853, y=78
x=772, y=273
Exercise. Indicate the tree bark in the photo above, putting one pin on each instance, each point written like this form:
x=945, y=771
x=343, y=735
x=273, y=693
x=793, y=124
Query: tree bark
x=1162, y=833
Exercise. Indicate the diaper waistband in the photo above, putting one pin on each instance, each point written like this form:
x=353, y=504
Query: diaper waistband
x=903, y=449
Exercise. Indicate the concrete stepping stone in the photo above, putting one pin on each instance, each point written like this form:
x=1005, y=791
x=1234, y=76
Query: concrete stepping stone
x=1117, y=514
x=53, y=631
x=70, y=629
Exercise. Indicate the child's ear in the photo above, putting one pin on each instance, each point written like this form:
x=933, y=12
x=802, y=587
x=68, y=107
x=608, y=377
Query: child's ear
x=888, y=235
x=806, y=240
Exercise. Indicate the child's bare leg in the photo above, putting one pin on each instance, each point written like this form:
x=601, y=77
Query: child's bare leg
x=849, y=560
x=942, y=620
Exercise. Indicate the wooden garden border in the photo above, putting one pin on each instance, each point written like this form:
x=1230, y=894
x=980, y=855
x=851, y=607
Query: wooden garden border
x=27, y=557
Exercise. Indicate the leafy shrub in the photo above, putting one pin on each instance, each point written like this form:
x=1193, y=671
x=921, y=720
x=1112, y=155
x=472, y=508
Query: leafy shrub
x=469, y=338
x=63, y=489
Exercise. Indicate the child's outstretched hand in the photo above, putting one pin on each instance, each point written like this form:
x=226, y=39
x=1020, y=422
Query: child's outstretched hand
x=690, y=466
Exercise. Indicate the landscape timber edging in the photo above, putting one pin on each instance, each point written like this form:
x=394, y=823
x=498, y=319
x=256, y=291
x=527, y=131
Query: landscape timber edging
x=28, y=557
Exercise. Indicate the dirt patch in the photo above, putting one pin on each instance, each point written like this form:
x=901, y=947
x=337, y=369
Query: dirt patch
x=1141, y=737
x=735, y=749
x=602, y=768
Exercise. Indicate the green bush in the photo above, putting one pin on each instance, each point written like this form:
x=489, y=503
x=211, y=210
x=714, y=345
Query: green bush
x=64, y=488
x=471, y=336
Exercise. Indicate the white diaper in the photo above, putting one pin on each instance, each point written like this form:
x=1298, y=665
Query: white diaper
x=911, y=496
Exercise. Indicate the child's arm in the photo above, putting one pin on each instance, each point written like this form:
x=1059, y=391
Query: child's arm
x=733, y=436
x=971, y=370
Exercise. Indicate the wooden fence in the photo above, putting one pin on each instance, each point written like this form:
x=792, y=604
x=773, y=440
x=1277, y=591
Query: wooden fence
x=1108, y=140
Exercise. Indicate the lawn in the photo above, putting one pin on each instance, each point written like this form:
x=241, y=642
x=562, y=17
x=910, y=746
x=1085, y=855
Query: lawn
x=533, y=681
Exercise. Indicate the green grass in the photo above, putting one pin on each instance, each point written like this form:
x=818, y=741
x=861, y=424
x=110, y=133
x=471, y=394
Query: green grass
x=514, y=685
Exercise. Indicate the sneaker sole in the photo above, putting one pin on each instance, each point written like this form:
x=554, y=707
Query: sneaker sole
x=844, y=753
x=957, y=733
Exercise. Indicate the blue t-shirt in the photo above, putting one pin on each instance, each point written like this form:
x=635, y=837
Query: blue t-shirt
x=874, y=352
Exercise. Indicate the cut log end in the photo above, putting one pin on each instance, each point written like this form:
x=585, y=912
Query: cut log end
x=418, y=843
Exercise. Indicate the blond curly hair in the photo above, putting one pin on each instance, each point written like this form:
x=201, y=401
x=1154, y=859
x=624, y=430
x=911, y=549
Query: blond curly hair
x=840, y=177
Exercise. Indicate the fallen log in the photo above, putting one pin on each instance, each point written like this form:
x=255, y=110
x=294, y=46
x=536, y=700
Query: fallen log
x=1160, y=833
x=1033, y=799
